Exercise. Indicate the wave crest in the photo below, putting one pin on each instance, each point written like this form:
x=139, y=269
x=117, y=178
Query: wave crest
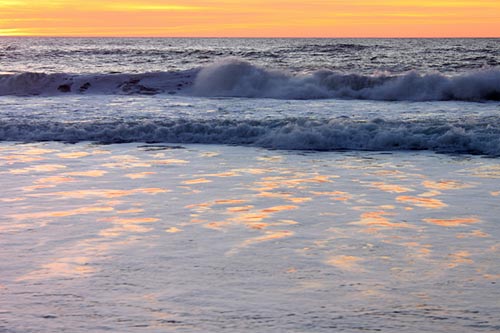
x=480, y=136
x=237, y=78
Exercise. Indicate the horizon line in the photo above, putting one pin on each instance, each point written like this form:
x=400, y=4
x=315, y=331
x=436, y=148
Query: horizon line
x=253, y=37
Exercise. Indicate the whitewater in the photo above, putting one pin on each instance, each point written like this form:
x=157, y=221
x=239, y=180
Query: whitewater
x=460, y=76
x=249, y=185
x=236, y=78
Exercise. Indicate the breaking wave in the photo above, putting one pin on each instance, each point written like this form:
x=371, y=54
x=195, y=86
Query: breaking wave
x=33, y=84
x=236, y=78
x=480, y=136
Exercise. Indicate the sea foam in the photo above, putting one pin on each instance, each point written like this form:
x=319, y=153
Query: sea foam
x=237, y=78
x=480, y=136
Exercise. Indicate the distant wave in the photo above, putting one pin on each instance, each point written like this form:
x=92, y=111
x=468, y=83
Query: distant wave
x=474, y=136
x=236, y=78
x=34, y=84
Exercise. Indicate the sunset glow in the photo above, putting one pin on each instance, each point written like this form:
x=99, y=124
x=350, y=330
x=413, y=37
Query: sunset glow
x=251, y=18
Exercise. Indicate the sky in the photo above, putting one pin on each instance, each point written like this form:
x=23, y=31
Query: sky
x=251, y=18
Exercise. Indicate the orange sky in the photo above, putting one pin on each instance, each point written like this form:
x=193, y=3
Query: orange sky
x=251, y=18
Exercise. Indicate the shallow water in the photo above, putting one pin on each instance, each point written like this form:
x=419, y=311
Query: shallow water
x=196, y=238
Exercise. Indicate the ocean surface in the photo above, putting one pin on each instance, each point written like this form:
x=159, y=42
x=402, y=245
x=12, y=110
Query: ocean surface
x=249, y=185
x=320, y=94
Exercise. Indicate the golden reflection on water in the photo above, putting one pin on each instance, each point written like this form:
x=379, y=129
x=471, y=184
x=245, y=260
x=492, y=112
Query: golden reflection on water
x=252, y=219
x=204, y=206
x=251, y=171
x=239, y=209
x=420, y=251
x=129, y=211
x=12, y=159
x=474, y=233
x=123, y=225
x=73, y=155
x=196, y=181
x=36, y=151
x=101, y=193
x=173, y=230
x=379, y=219
x=218, y=225
x=15, y=227
x=385, y=173
x=453, y=222
x=62, y=267
x=249, y=217
x=445, y=185
x=429, y=194
x=285, y=222
x=299, y=200
x=139, y=175
x=54, y=180
x=275, y=159
x=38, y=168
x=268, y=236
x=460, y=257
x=239, y=214
x=276, y=209
x=491, y=276
x=61, y=213
x=229, y=201
x=346, y=263
x=126, y=162
x=34, y=188
x=265, y=194
x=130, y=220
x=8, y=200
x=391, y=188
x=487, y=171
x=422, y=202
x=73, y=262
x=222, y=174
x=169, y=161
x=120, y=230
x=209, y=154
x=89, y=173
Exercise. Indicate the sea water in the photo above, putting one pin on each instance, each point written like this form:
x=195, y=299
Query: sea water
x=319, y=94
x=249, y=185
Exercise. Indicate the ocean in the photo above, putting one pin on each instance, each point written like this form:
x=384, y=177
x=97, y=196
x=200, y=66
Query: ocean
x=249, y=185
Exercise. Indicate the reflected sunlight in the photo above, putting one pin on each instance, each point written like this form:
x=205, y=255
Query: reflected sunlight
x=346, y=263
x=422, y=202
x=453, y=222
